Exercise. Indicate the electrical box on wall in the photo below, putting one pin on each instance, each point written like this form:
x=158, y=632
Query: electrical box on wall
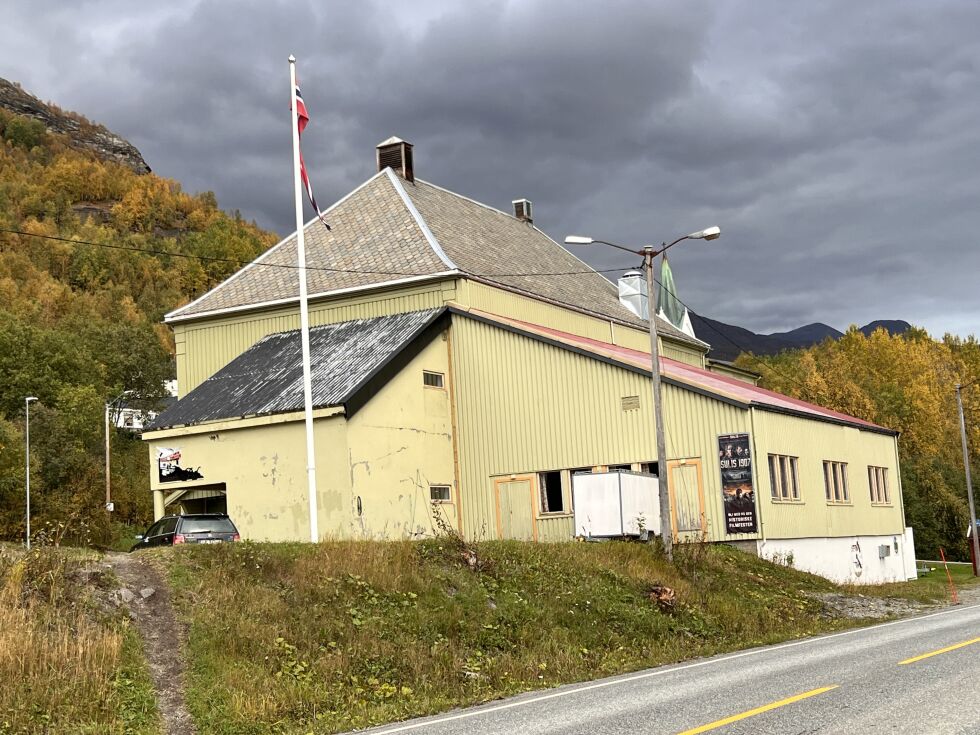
x=884, y=550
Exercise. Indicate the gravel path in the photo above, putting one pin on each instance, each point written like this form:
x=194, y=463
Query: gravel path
x=144, y=591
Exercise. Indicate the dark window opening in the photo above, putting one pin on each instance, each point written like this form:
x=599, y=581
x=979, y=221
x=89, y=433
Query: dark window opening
x=650, y=468
x=620, y=467
x=552, y=498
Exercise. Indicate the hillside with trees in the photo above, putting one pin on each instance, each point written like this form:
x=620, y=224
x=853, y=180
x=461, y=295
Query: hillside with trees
x=906, y=382
x=83, y=290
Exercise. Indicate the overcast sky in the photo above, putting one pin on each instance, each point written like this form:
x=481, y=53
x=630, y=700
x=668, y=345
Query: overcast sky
x=837, y=144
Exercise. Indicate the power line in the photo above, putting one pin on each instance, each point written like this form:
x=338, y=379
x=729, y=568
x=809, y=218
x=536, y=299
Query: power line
x=288, y=266
x=242, y=263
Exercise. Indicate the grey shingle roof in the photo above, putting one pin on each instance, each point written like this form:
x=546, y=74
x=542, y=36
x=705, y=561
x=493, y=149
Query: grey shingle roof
x=376, y=238
x=268, y=377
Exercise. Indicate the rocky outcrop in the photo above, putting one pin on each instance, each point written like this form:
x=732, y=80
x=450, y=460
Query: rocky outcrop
x=80, y=133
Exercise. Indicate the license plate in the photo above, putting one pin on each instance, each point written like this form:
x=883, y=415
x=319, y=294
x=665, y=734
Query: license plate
x=210, y=541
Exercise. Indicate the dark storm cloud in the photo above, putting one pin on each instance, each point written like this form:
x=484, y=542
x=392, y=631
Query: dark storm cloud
x=835, y=143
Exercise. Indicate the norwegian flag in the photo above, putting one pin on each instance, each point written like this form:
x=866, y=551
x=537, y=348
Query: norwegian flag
x=302, y=119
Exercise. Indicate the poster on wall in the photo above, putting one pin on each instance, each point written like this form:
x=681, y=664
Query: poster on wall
x=168, y=465
x=735, y=461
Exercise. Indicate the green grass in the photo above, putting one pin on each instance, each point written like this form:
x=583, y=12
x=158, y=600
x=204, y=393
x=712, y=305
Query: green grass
x=291, y=638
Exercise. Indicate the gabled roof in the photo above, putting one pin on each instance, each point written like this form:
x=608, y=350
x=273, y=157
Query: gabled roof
x=268, y=377
x=390, y=230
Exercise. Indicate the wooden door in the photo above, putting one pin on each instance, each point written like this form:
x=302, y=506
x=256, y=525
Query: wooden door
x=515, y=498
x=687, y=517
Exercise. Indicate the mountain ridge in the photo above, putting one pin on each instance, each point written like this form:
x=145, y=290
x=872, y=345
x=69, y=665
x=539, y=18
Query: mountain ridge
x=80, y=133
x=728, y=341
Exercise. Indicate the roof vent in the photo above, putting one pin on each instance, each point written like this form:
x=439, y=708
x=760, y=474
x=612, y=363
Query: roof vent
x=396, y=154
x=522, y=210
x=633, y=293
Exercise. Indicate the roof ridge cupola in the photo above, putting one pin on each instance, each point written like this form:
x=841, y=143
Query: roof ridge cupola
x=396, y=154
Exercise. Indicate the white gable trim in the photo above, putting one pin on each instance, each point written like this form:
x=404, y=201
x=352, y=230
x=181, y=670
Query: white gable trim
x=380, y=285
x=410, y=205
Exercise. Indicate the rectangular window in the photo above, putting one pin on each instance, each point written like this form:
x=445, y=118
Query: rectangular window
x=432, y=380
x=440, y=494
x=835, y=482
x=878, y=484
x=784, y=480
x=552, y=497
x=619, y=468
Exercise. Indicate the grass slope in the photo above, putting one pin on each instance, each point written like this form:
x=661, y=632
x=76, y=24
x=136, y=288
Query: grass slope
x=291, y=638
x=67, y=663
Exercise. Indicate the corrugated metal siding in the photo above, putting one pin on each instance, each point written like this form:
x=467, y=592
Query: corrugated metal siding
x=813, y=442
x=692, y=423
x=210, y=345
x=679, y=353
x=555, y=528
x=524, y=406
x=515, y=306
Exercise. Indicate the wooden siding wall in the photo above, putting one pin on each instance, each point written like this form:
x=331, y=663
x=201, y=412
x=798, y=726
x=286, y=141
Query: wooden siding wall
x=527, y=407
x=813, y=442
x=515, y=306
x=205, y=347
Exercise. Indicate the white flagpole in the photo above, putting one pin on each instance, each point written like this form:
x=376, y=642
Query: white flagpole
x=304, y=313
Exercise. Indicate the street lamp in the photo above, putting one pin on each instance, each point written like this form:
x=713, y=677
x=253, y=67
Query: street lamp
x=969, y=480
x=649, y=253
x=27, y=447
x=108, y=486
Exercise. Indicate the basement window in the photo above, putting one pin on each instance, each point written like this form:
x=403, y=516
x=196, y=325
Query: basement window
x=878, y=484
x=835, y=482
x=440, y=494
x=432, y=380
x=552, y=497
x=784, y=481
x=650, y=468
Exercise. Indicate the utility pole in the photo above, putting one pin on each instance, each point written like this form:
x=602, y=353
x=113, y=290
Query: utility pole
x=969, y=479
x=27, y=475
x=666, y=522
x=108, y=491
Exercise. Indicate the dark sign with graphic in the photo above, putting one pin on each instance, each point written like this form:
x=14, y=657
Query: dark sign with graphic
x=168, y=464
x=735, y=460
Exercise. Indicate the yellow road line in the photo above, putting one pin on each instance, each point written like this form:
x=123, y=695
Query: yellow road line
x=758, y=710
x=941, y=650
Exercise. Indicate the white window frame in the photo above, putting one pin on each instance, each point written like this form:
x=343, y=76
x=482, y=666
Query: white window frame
x=449, y=493
x=878, y=485
x=836, y=488
x=440, y=376
x=783, y=467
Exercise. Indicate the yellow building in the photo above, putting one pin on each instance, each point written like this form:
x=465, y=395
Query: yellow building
x=467, y=367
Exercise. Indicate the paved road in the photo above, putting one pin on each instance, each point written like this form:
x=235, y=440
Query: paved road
x=919, y=675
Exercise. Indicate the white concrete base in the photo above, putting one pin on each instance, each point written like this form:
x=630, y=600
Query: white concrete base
x=848, y=560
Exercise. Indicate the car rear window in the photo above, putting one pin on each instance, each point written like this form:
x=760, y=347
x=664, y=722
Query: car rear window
x=203, y=525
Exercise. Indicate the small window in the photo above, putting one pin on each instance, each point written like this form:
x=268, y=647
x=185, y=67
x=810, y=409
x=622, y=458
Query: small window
x=835, y=482
x=552, y=497
x=432, y=380
x=440, y=494
x=581, y=471
x=878, y=485
x=649, y=468
x=784, y=480
x=619, y=468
